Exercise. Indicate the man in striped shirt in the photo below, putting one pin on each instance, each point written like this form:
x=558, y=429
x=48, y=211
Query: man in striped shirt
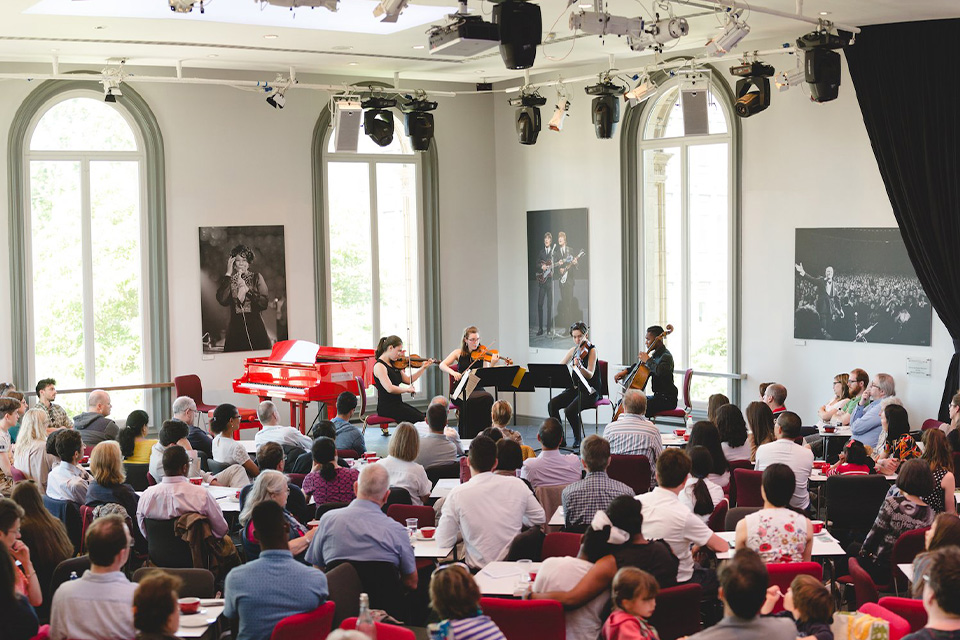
x=632, y=434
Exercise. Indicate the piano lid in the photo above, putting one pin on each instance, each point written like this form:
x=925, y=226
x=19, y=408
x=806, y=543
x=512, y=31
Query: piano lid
x=295, y=351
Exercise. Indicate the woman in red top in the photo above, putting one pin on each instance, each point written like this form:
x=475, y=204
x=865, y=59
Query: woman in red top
x=854, y=461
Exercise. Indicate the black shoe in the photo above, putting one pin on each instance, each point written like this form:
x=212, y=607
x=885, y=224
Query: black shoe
x=540, y=333
x=563, y=444
x=576, y=445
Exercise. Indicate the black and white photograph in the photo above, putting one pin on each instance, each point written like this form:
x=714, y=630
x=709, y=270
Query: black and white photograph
x=243, y=288
x=558, y=273
x=858, y=285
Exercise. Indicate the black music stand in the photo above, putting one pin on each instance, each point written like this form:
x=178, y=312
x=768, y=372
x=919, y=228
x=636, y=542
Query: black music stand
x=549, y=376
x=501, y=379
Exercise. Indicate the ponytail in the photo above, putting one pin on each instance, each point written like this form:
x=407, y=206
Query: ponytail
x=127, y=440
x=385, y=343
x=704, y=502
x=324, y=452
x=328, y=471
x=701, y=463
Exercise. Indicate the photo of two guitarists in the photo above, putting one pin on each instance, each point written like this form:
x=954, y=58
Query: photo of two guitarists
x=555, y=263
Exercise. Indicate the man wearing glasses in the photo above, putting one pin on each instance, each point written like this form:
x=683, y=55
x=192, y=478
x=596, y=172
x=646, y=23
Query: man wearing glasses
x=865, y=421
x=185, y=410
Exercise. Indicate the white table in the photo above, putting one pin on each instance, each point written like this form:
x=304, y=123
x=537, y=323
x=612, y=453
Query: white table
x=444, y=486
x=672, y=440
x=557, y=519
x=907, y=570
x=250, y=446
x=824, y=544
x=501, y=578
x=226, y=497
x=429, y=549
x=212, y=613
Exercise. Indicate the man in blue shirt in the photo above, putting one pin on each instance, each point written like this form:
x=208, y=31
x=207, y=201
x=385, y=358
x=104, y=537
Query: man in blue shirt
x=259, y=593
x=348, y=436
x=362, y=531
x=865, y=421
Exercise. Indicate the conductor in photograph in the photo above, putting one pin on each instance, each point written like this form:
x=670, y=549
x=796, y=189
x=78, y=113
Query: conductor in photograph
x=658, y=360
x=583, y=394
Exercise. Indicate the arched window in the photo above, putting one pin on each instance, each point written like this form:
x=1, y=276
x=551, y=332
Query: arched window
x=89, y=224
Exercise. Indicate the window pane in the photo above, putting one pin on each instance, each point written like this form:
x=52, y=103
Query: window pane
x=83, y=124
x=57, y=260
x=351, y=270
x=662, y=238
x=397, y=242
x=399, y=145
x=115, y=249
x=709, y=266
x=666, y=116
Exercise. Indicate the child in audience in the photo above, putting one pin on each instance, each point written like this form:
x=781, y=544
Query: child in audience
x=854, y=461
x=634, y=600
x=455, y=597
x=808, y=603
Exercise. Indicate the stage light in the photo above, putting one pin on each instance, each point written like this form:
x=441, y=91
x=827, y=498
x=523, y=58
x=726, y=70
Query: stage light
x=733, y=32
x=785, y=80
x=528, y=116
x=520, y=32
x=276, y=99
x=658, y=34
x=821, y=64
x=389, y=9
x=605, y=109
x=419, y=122
x=378, y=120
x=644, y=89
x=111, y=90
x=559, y=115
x=753, y=90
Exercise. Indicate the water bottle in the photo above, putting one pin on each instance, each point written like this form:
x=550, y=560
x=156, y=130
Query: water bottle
x=73, y=575
x=365, y=624
x=689, y=423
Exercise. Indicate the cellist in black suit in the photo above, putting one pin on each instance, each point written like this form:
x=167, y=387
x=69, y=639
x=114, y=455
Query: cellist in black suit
x=659, y=361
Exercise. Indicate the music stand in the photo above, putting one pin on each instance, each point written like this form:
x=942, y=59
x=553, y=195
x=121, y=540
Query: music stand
x=549, y=376
x=503, y=378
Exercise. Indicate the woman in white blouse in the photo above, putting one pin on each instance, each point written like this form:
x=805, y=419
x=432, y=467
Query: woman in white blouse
x=226, y=420
x=404, y=472
x=701, y=494
x=30, y=455
x=841, y=395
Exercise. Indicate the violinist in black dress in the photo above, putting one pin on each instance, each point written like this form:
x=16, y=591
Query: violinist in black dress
x=583, y=357
x=474, y=412
x=392, y=382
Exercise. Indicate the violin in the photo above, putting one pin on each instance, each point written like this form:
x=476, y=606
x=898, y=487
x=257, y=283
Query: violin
x=487, y=355
x=582, y=354
x=413, y=361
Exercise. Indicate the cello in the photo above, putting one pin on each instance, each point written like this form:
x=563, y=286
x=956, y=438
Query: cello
x=639, y=373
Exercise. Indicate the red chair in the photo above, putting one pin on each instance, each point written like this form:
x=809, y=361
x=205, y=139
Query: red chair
x=561, y=544
x=191, y=387
x=748, y=487
x=679, y=413
x=524, y=619
x=313, y=625
x=678, y=611
x=907, y=608
x=86, y=517
x=783, y=573
x=297, y=478
x=731, y=489
x=930, y=423
x=464, y=470
x=863, y=586
x=18, y=476
x=373, y=418
x=718, y=518
x=426, y=516
x=898, y=626
x=347, y=453
x=150, y=479
x=633, y=471
x=87, y=451
x=384, y=631
x=905, y=549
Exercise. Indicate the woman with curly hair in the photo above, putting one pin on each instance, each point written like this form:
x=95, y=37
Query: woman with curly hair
x=245, y=292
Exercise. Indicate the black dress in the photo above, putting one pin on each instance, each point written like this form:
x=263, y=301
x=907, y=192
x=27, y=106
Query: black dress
x=574, y=400
x=245, y=331
x=475, y=410
x=389, y=405
x=656, y=558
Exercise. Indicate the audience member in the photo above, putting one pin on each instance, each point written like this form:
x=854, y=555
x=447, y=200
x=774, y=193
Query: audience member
x=134, y=445
x=404, y=472
x=898, y=445
x=93, y=424
x=270, y=457
x=667, y=518
x=853, y=461
x=45, y=536
x=175, y=432
x=362, y=531
x=9, y=413
x=551, y=468
x=441, y=444
x=763, y=388
x=775, y=397
x=109, y=485
x=583, y=498
x=941, y=597
x=701, y=494
x=786, y=451
x=31, y=455
x=99, y=604
x=68, y=481
x=273, y=431
x=760, y=422
x=46, y=394
x=632, y=434
x=348, y=435
x=841, y=395
x=509, y=459
x=634, y=601
x=156, y=607
x=28, y=583
x=455, y=597
x=272, y=485
x=705, y=434
x=857, y=383
x=807, y=603
x=19, y=397
x=776, y=532
x=714, y=402
x=226, y=420
x=954, y=413
x=501, y=413
x=735, y=442
x=175, y=495
x=936, y=453
x=263, y=592
x=328, y=481
x=865, y=423
x=19, y=618
x=743, y=590
x=489, y=510
x=423, y=426
x=943, y=532
x=185, y=411
x=563, y=574
x=493, y=433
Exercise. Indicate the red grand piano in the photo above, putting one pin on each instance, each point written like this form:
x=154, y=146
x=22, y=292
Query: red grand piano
x=300, y=372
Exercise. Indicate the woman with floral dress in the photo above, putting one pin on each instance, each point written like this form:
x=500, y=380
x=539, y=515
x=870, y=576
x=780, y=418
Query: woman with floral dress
x=775, y=532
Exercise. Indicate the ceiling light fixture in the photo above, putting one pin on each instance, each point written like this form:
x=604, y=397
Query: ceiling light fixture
x=560, y=112
x=419, y=121
x=378, y=119
x=389, y=9
x=528, y=115
x=753, y=89
x=462, y=34
x=645, y=88
x=605, y=109
x=734, y=31
x=640, y=35
x=521, y=30
x=821, y=63
x=186, y=6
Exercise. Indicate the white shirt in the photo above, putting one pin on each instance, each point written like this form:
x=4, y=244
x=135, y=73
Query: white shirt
x=797, y=457
x=563, y=574
x=68, y=482
x=229, y=450
x=98, y=606
x=282, y=435
x=687, y=498
x=422, y=427
x=737, y=453
x=175, y=496
x=409, y=476
x=488, y=511
x=551, y=468
x=664, y=516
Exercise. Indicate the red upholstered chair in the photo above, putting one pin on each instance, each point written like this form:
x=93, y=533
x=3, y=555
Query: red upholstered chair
x=678, y=611
x=898, y=626
x=905, y=549
x=864, y=588
x=384, y=631
x=464, y=469
x=731, y=489
x=930, y=423
x=426, y=516
x=783, y=573
x=561, y=544
x=297, y=478
x=372, y=419
x=150, y=479
x=347, y=453
x=907, y=608
x=18, y=476
x=633, y=471
x=524, y=619
x=679, y=413
x=191, y=387
x=748, y=487
x=313, y=625
x=86, y=517
x=718, y=518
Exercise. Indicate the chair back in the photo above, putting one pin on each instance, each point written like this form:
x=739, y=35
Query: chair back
x=464, y=469
x=718, y=519
x=347, y=453
x=550, y=498
x=687, y=400
x=524, y=619
x=86, y=517
x=854, y=501
x=898, y=626
x=297, y=478
x=678, y=611
x=930, y=423
x=748, y=487
x=18, y=476
x=62, y=573
x=863, y=586
x=164, y=547
x=137, y=475
x=151, y=481
x=191, y=387
x=426, y=516
x=907, y=608
x=362, y=394
x=381, y=582
x=732, y=487
x=444, y=470
x=633, y=471
x=561, y=544
x=782, y=574
x=345, y=588
x=905, y=549
x=197, y=583
x=69, y=514
x=602, y=387
x=313, y=625
x=397, y=495
x=329, y=506
x=216, y=466
x=384, y=631
x=735, y=515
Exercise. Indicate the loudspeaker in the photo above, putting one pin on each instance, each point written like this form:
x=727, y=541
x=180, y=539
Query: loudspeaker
x=694, y=112
x=346, y=126
x=821, y=70
x=520, y=32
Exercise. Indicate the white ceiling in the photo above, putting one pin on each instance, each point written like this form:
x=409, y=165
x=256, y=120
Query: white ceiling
x=306, y=42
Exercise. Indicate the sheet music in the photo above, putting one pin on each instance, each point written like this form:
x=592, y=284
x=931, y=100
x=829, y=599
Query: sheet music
x=586, y=384
x=463, y=382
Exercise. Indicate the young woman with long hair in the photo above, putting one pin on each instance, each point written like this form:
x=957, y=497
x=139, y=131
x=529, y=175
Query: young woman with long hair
x=392, y=383
x=474, y=412
x=936, y=452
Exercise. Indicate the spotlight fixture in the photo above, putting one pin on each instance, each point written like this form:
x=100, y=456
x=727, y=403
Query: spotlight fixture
x=520, y=32
x=787, y=79
x=185, y=6
x=463, y=34
x=111, y=86
x=600, y=23
x=378, y=119
x=821, y=64
x=753, y=89
x=559, y=114
x=644, y=89
x=419, y=122
x=276, y=99
x=389, y=9
x=110, y=95
x=733, y=32
x=605, y=109
x=658, y=34
x=528, y=116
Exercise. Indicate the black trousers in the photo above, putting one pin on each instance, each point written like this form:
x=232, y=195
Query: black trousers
x=545, y=294
x=572, y=401
x=400, y=411
x=657, y=403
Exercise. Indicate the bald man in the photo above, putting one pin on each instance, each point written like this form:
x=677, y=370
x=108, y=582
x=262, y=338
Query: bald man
x=93, y=424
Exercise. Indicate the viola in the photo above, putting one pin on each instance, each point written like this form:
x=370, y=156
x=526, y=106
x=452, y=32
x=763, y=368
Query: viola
x=413, y=361
x=487, y=355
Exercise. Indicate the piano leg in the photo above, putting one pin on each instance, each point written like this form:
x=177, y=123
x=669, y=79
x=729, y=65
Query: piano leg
x=303, y=417
x=293, y=415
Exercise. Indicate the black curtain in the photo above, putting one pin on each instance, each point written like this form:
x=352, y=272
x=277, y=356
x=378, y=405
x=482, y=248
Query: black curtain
x=907, y=82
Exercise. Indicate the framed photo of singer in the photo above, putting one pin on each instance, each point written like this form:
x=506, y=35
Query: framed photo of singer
x=243, y=288
x=558, y=273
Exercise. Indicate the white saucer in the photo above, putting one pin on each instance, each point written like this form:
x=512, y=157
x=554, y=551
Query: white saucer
x=198, y=619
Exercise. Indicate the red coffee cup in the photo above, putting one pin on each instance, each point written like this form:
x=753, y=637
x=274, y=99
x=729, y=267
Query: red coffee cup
x=679, y=432
x=189, y=605
x=817, y=525
x=196, y=481
x=686, y=437
x=533, y=576
x=427, y=532
x=829, y=428
x=238, y=495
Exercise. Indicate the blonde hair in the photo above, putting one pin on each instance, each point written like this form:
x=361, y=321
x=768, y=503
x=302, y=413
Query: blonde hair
x=106, y=464
x=501, y=412
x=405, y=443
x=33, y=428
